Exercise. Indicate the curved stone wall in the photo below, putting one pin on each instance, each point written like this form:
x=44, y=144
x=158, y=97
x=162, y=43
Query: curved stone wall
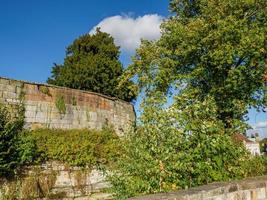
x=79, y=109
x=249, y=189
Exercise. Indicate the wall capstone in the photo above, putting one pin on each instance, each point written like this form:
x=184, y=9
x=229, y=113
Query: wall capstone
x=248, y=189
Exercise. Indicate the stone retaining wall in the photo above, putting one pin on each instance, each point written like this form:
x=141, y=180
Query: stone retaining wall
x=58, y=107
x=54, y=180
x=250, y=189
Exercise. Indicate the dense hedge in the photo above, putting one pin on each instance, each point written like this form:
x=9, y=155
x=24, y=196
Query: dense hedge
x=75, y=147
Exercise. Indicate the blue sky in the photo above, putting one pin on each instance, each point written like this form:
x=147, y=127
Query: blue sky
x=35, y=33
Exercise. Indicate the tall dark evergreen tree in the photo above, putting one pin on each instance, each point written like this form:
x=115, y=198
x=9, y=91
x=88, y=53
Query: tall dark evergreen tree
x=92, y=63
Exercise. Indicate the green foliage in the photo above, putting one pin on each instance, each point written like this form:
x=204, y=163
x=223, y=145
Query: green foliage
x=263, y=144
x=14, y=152
x=73, y=101
x=161, y=156
x=92, y=63
x=44, y=90
x=60, y=104
x=198, y=80
x=265, y=163
x=255, y=166
x=27, y=149
x=211, y=48
x=76, y=147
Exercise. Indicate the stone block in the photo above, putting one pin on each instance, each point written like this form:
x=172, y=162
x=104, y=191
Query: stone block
x=4, y=81
x=91, y=109
x=10, y=88
x=261, y=193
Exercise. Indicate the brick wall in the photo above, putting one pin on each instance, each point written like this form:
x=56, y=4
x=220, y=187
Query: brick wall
x=83, y=109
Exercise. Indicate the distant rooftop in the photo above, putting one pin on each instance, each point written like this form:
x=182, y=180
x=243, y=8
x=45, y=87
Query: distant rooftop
x=241, y=138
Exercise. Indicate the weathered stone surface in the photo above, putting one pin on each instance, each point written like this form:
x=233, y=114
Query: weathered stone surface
x=65, y=182
x=83, y=109
x=249, y=189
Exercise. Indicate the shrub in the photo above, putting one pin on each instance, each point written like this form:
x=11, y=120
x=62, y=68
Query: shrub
x=177, y=161
x=76, y=147
x=170, y=152
x=255, y=166
x=14, y=151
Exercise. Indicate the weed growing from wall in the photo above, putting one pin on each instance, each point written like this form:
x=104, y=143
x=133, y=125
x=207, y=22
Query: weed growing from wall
x=44, y=89
x=73, y=101
x=60, y=104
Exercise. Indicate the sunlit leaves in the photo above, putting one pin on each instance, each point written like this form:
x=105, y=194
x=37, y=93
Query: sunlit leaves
x=198, y=81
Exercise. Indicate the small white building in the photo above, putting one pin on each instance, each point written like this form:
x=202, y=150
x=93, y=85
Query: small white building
x=252, y=146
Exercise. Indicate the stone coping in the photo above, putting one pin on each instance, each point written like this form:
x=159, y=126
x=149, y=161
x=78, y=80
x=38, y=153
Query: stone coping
x=66, y=88
x=216, y=191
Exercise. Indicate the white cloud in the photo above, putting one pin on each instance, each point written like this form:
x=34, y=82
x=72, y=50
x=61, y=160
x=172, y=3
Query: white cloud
x=260, y=125
x=129, y=31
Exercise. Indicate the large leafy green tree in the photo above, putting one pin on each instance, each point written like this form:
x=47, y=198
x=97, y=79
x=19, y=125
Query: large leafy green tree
x=211, y=48
x=92, y=63
x=198, y=81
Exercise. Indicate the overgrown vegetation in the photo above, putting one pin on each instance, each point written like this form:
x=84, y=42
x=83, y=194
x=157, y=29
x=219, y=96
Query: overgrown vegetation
x=44, y=90
x=19, y=147
x=76, y=147
x=263, y=145
x=60, y=104
x=14, y=150
x=159, y=156
x=198, y=81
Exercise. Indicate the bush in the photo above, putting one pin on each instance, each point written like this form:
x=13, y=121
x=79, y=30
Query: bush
x=255, y=166
x=76, y=147
x=14, y=151
x=178, y=162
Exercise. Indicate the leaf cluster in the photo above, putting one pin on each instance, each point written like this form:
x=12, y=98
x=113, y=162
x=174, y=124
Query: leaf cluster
x=92, y=63
x=14, y=151
x=76, y=147
x=198, y=82
x=211, y=48
x=161, y=155
x=60, y=104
